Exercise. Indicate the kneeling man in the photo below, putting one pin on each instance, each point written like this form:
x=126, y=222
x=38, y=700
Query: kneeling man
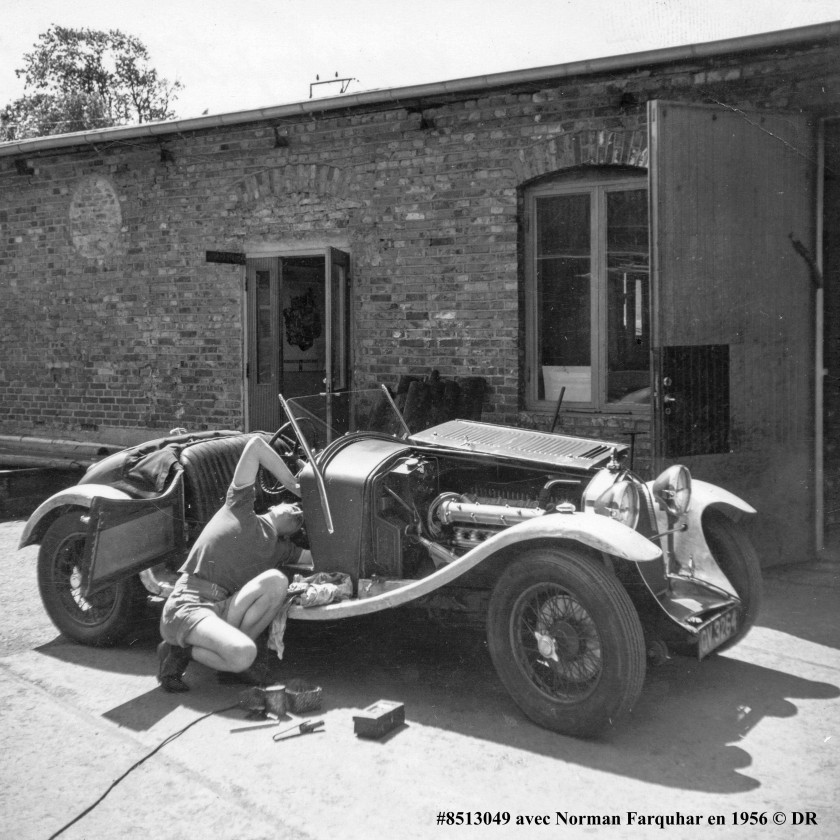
x=230, y=588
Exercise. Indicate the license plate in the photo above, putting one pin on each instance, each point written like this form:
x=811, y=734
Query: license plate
x=715, y=633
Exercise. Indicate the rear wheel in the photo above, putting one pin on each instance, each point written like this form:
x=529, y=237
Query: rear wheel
x=566, y=641
x=102, y=618
x=734, y=553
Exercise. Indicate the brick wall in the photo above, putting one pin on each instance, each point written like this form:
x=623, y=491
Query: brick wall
x=115, y=326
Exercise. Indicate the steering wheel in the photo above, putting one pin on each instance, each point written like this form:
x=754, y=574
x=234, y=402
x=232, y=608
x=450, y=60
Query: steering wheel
x=288, y=447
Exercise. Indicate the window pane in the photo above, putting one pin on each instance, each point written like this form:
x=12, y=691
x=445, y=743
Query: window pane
x=563, y=274
x=628, y=297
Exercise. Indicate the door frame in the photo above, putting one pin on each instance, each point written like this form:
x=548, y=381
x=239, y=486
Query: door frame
x=275, y=251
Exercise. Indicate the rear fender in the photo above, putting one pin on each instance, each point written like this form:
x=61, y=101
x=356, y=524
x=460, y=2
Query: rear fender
x=78, y=496
x=125, y=536
x=597, y=532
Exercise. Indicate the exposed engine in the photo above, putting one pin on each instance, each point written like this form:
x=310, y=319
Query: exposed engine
x=473, y=522
x=457, y=506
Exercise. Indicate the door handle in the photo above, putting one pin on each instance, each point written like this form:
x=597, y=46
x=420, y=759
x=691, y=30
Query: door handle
x=669, y=399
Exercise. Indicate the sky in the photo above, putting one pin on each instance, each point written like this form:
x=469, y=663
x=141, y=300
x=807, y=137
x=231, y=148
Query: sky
x=235, y=55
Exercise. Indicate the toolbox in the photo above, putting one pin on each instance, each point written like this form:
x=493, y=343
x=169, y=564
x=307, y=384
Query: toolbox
x=379, y=719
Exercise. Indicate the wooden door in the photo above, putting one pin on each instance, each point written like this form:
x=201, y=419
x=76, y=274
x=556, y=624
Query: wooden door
x=298, y=330
x=264, y=365
x=338, y=336
x=732, y=199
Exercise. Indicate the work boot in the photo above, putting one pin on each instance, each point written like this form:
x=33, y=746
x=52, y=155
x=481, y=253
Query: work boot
x=173, y=663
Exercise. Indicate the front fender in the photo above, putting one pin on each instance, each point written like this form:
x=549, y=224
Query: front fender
x=598, y=532
x=78, y=496
x=688, y=549
x=704, y=495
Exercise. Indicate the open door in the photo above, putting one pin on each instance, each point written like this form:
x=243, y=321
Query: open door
x=298, y=330
x=126, y=536
x=264, y=367
x=732, y=212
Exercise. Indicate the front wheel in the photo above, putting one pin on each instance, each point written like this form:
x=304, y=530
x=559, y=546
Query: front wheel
x=566, y=641
x=104, y=617
x=734, y=553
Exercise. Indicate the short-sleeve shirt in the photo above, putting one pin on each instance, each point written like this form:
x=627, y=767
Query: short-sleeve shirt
x=237, y=544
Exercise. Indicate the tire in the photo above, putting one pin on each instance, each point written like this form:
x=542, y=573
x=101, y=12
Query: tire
x=103, y=618
x=734, y=553
x=566, y=641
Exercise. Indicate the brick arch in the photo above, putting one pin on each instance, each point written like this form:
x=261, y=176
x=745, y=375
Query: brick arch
x=587, y=147
x=278, y=181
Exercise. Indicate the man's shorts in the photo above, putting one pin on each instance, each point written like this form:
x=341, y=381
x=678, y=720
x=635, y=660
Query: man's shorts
x=191, y=601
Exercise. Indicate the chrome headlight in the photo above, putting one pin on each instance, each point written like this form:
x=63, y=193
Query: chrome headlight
x=620, y=502
x=673, y=490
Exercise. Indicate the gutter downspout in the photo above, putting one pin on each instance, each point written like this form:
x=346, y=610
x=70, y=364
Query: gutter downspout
x=819, y=361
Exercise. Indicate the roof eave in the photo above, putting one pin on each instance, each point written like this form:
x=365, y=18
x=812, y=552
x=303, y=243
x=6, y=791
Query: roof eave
x=472, y=84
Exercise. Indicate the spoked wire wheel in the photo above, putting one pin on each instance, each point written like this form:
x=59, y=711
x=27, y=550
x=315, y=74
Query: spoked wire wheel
x=98, y=619
x=556, y=642
x=566, y=640
x=67, y=579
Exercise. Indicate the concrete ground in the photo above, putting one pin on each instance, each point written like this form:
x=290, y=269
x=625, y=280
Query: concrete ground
x=750, y=736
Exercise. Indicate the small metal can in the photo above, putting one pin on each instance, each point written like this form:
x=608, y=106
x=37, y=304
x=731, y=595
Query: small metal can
x=275, y=700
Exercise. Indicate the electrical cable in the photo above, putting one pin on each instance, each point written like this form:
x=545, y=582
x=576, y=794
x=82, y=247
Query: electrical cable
x=136, y=764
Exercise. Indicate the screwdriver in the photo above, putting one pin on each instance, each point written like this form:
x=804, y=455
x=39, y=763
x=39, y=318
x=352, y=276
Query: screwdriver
x=303, y=729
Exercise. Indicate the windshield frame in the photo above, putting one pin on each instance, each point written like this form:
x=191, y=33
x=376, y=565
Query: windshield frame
x=321, y=410
x=322, y=418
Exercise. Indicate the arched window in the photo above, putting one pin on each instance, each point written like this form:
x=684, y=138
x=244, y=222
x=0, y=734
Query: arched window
x=588, y=289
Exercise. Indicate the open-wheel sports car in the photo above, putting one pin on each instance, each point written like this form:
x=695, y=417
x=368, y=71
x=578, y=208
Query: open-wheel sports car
x=580, y=570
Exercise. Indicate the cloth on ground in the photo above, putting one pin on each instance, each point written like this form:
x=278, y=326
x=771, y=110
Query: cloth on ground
x=312, y=591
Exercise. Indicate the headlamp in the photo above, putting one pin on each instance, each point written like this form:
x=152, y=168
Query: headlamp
x=672, y=489
x=620, y=502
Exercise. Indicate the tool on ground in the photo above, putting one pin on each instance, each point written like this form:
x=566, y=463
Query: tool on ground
x=265, y=725
x=304, y=728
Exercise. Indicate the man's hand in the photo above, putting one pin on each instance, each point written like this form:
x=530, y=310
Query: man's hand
x=258, y=453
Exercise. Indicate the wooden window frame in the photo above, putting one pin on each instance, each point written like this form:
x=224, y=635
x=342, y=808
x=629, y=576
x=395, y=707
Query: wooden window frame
x=596, y=182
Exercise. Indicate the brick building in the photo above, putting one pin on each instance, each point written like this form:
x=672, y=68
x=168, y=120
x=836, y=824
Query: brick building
x=656, y=232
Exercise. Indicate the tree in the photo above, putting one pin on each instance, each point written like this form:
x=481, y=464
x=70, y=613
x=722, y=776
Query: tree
x=78, y=79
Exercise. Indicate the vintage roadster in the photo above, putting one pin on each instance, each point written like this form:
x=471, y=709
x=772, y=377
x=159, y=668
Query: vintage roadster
x=580, y=570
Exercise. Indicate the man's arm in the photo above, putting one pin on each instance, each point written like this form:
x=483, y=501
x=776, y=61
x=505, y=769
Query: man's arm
x=258, y=453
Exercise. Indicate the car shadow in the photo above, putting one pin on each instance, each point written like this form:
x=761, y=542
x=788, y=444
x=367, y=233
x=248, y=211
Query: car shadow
x=683, y=732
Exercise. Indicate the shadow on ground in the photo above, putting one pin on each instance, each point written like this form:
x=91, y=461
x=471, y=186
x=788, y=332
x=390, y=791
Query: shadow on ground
x=682, y=733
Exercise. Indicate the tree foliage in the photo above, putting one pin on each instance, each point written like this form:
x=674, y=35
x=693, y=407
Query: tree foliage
x=79, y=79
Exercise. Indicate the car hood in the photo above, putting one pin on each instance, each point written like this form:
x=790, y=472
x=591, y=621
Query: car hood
x=522, y=444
